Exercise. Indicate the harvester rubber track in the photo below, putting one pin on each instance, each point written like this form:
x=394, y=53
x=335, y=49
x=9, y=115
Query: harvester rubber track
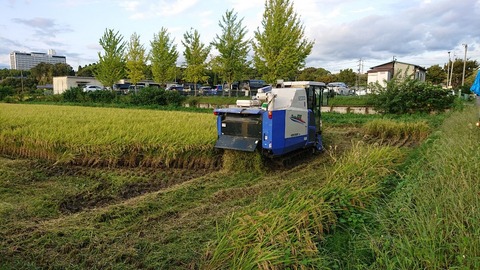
x=292, y=159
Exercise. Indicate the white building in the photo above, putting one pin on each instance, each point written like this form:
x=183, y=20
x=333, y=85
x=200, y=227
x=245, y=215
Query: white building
x=26, y=61
x=383, y=73
x=61, y=84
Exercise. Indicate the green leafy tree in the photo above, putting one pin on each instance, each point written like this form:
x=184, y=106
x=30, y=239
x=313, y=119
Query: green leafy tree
x=6, y=91
x=280, y=49
x=136, y=60
x=253, y=73
x=470, y=79
x=232, y=47
x=328, y=78
x=164, y=57
x=148, y=72
x=6, y=73
x=456, y=78
x=307, y=74
x=43, y=73
x=20, y=85
x=196, y=54
x=62, y=69
x=347, y=76
x=215, y=66
x=315, y=74
x=111, y=65
x=436, y=74
x=87, y=70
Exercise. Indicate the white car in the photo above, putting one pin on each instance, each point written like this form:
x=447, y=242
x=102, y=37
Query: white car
x=89, y=88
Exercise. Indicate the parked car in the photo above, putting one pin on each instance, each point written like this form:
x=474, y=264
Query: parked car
x=175, y=88
x=90, y=88
x=178, y=88
x=135, y=88
x=206, y=91
x=121, y=88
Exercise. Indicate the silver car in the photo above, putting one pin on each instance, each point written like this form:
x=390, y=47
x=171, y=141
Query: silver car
x=89, y=88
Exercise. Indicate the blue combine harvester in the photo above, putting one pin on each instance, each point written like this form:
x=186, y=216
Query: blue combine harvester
x=277, y=121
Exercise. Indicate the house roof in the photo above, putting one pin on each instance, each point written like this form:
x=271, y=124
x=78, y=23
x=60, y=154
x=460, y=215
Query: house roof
x=390, y=65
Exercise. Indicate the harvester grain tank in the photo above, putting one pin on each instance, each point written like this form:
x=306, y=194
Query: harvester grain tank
x=277, y=121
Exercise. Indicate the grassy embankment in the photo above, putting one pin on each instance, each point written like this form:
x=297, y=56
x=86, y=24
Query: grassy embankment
x=432, y=220
x=431, y=217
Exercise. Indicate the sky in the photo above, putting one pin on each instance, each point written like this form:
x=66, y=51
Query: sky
x=347, y=34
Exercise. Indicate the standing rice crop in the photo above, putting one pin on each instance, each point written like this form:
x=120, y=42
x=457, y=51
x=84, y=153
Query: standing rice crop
x=392, y=130
x=107, y=136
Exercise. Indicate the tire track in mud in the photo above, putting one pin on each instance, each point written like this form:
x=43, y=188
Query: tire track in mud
x=107, y=193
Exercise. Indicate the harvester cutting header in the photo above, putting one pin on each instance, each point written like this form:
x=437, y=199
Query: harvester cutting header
x=276, y=121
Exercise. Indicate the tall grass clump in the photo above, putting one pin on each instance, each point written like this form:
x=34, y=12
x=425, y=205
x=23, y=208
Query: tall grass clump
x=387, y=129
x=433, y=219
x=284, y=231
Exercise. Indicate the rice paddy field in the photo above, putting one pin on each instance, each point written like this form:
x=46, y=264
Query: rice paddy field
x=108, y=137
x=103, y=188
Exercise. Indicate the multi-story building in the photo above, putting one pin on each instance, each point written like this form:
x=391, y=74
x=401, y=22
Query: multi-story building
x=26, y=61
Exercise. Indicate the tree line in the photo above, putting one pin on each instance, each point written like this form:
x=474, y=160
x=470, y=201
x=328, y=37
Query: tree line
x=279, y=52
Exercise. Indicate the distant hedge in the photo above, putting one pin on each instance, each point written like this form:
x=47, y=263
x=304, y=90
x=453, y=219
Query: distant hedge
x=144, y=96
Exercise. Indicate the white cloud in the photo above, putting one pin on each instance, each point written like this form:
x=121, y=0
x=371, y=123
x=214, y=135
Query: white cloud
x=142, y=10
x=243, y=5
x=343, y=31
x=130, y=5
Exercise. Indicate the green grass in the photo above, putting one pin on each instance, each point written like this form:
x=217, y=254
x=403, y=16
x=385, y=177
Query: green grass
x=428, y=218
x=349, y=101
x=214, y=100
x=433, y=220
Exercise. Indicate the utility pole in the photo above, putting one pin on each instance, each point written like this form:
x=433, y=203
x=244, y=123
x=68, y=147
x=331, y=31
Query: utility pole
x=21, y=79
x=451, y=69
x=464, y=64
x=448, y=69
x=358, y=74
